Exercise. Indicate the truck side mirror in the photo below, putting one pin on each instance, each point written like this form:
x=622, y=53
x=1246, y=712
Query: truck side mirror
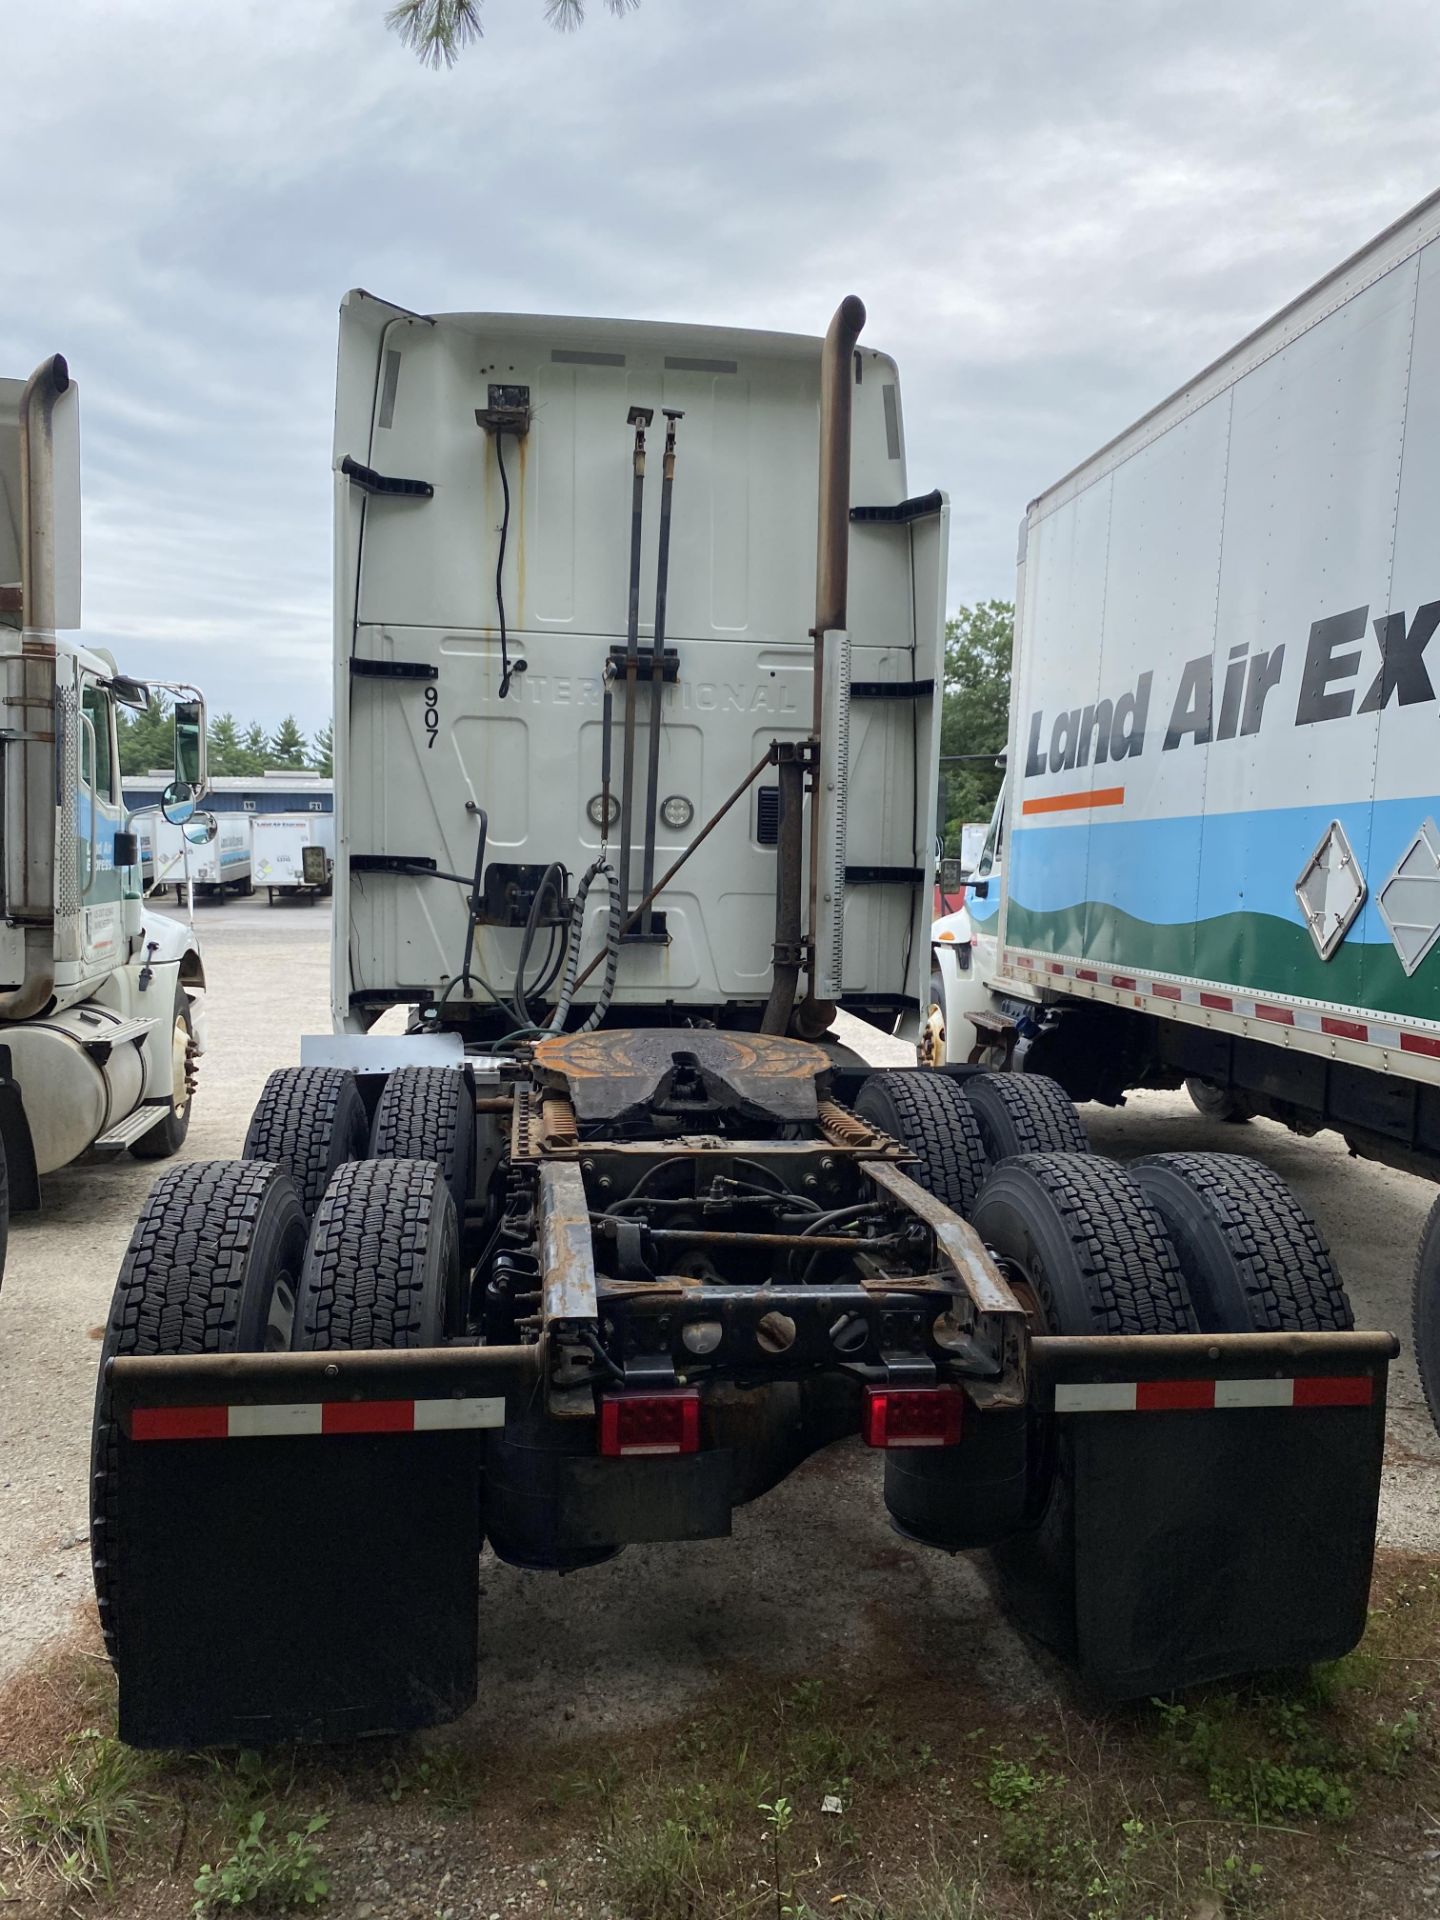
x=177, y=803
x=190, y=745
x=200, y=829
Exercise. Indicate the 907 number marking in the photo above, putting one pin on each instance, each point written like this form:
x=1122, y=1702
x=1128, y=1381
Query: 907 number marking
x=432, y=717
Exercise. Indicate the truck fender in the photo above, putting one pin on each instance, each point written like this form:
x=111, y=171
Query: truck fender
x=15, y=1138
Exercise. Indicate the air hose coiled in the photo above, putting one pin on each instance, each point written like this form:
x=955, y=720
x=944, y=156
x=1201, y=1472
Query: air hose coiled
x=572, y=956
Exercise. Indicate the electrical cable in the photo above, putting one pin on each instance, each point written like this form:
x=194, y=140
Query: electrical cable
x=553, y=880
x=506, y=670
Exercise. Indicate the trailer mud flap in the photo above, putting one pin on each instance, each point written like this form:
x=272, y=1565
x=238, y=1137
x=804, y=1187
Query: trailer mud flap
x=296, y=1588
x=1203, y=1528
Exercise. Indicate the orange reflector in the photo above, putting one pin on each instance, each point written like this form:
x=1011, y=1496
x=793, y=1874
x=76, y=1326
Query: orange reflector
x=911, y=1416
x=636, y=1423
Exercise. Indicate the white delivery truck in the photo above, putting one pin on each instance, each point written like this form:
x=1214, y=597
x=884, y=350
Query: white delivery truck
x=100, y=996
x=292, y=855
x=214, y=866
x=1218, y=859
x=617, y=1232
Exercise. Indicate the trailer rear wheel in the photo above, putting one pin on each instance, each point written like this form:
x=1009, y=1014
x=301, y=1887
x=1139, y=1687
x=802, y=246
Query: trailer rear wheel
x=1025, y=1113
x=1253, y=1259
x=1425, y=1311
x=212, y=1267
x=383, y=1265
x=309, y=1120
x=1216, y=1103
x=927, y=1112
x=428, y=1113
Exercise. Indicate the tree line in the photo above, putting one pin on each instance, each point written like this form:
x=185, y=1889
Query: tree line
x=147, y=742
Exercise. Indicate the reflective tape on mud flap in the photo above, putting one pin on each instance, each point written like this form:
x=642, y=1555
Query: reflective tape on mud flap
x=329, y=1417
x=1178, y=1396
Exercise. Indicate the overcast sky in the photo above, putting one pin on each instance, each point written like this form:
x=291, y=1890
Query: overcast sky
x=1055, y=214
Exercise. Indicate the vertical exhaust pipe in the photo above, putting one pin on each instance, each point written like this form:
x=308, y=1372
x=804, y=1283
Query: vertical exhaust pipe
x=832, y=577
x=30, y=787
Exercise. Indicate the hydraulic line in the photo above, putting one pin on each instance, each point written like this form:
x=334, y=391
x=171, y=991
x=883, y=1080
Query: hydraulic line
x=639, y=418
x=657, y=676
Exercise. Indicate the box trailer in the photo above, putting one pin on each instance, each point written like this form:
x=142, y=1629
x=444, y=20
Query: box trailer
x=215, y=867
x=293, y=854
x=619, y=1230
x=1221, y=860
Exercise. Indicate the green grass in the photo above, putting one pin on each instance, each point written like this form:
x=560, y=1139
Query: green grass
x=78, y=1819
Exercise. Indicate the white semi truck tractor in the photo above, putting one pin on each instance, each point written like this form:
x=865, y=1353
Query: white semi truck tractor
x=633, y=794
x=99, y=997
x=1217, y=861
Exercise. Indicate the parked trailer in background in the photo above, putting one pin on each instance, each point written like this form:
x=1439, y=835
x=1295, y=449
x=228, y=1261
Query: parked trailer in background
x=1222, y=859
x=293, y=854
x=215, y=867
x=618, y=1231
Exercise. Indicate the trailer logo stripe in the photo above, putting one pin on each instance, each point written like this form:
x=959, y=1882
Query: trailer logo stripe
x=1177, y=1396
x=317, y=1417
x=1075, y=802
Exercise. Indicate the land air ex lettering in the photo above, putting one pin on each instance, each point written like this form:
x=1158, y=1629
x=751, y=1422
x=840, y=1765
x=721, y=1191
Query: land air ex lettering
x=1217, y=700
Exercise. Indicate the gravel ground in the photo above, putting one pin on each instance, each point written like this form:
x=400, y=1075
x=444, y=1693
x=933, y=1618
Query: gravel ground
x=813, y=1575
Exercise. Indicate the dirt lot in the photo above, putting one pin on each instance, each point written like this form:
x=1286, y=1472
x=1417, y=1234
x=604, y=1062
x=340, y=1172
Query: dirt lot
x=813, y=1591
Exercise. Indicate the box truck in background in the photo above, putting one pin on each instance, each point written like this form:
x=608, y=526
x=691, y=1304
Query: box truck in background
x=1218, y=862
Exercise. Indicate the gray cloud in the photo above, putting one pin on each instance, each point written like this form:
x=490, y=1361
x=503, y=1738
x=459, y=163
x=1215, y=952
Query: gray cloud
x=1055, y=214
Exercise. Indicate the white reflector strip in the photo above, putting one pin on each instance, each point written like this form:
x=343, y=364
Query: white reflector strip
x=1204, y=1396
x=432, y=1416
x=249, y=1423
x=1254, y=1393
x=1085, y=1396
x=327, y=1418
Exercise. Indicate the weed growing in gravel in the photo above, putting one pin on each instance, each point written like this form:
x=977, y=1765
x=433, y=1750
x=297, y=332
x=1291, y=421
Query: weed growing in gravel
x=265, y=1872
x=77, y=1819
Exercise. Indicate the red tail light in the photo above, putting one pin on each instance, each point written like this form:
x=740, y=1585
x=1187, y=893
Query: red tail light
x=635, y=1423
x=911, y=1416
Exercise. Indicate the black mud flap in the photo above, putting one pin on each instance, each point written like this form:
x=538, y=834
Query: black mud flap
x=1190, y=1543
x=305, y=1588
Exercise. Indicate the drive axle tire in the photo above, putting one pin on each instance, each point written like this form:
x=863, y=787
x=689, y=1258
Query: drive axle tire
x=428, y=1113
x=167, y=1136
x=1024, y=1113
x=383, y=1265
x=1425, y=1311
x=212, y=1267
x=1253, y=1258
x=927, y=1112
x=309, y=1120
x=1086, y=1242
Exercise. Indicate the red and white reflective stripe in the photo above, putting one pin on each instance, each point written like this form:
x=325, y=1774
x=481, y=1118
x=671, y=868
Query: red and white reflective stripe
x=315, y=1417
x=1179, y=1396
x=1382, y=1035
